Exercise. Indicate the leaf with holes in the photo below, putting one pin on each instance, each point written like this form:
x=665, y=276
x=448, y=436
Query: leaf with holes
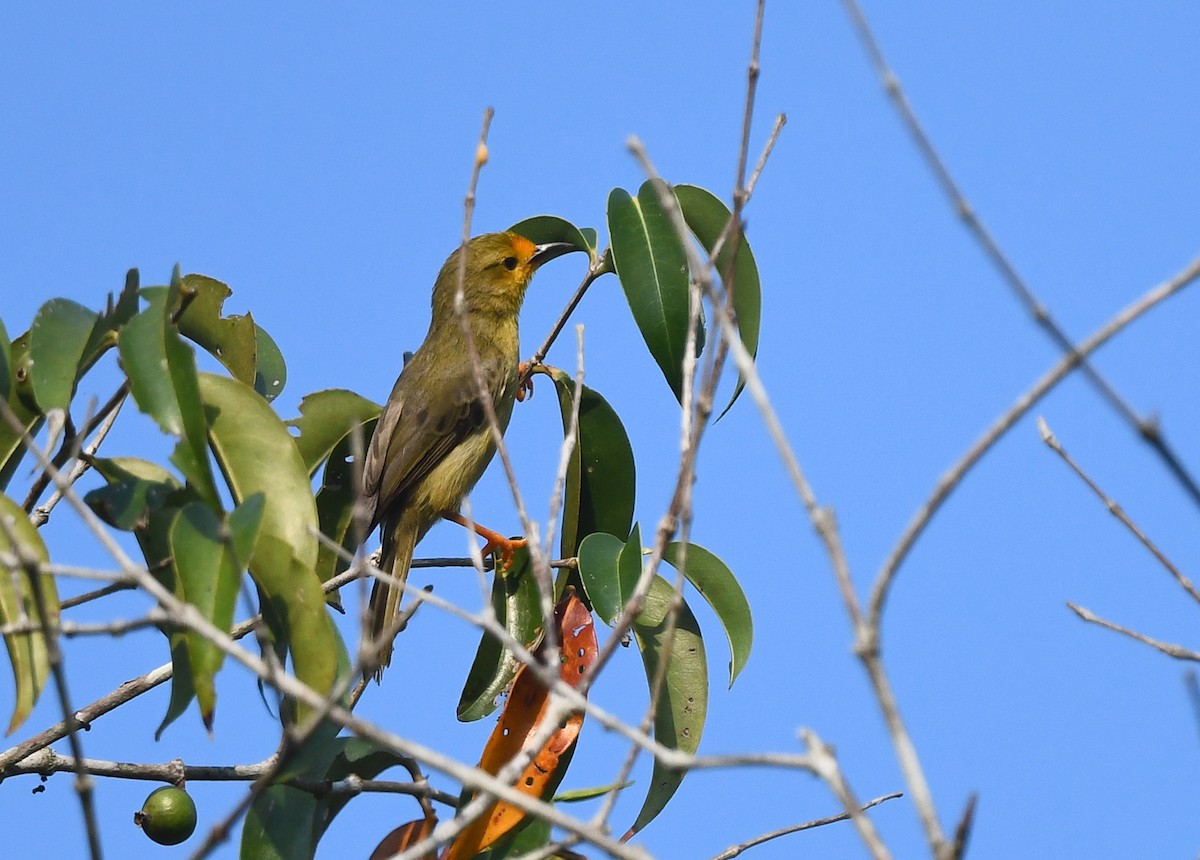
x=683, y=697
x=524, y=713
x=517, y=606
x=335, y=508
x=326, y=418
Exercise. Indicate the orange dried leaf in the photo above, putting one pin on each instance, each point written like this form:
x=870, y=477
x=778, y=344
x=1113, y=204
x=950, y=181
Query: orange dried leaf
x=405, y=836
x=523, y=714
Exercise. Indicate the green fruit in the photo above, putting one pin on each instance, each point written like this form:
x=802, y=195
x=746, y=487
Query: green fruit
x=168, y=816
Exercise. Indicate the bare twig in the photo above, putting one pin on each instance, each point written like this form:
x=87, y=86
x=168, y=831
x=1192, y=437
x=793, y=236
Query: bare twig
x=826, y=766
x=736, y=850
x=1176, y=651
x=84, y=784
x=45, y=762
x=100, y=424
x=950, y=481
x=1147, y=429
x=1115, y=509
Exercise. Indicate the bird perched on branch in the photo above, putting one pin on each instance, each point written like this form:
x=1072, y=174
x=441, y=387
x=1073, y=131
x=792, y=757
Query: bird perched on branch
x=433, y=440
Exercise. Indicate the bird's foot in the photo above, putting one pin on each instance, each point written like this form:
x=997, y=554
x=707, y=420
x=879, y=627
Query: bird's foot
x=525, y=371
x=498, y=546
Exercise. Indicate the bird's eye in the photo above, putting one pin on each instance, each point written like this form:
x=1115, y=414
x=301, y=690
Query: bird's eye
x=510, y=263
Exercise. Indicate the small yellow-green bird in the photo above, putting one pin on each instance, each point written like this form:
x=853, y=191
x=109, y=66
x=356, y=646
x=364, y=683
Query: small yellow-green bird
x=433, y=441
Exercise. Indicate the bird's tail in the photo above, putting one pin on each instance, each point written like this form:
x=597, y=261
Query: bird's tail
x=398, y=545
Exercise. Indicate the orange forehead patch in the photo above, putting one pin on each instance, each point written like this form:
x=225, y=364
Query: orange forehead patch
x=524, y=248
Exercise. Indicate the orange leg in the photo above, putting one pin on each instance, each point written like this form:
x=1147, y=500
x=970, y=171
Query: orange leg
x=525, y=389
x=496, y=542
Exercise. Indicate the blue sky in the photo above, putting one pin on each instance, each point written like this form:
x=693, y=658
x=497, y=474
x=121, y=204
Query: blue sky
x=316, y=157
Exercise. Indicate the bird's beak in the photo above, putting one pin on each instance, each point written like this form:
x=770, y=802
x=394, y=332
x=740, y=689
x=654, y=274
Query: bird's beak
x=547, y=252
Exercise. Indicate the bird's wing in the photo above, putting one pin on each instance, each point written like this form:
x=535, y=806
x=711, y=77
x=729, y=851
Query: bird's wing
x=418, y=428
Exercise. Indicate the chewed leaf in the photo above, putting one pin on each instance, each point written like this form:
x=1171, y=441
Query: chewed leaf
x=523, y=714
x=326, y=417
x=233, y=340
x=270, y=370
x=517, y=605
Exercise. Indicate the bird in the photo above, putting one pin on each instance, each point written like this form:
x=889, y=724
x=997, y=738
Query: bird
x=433, y=439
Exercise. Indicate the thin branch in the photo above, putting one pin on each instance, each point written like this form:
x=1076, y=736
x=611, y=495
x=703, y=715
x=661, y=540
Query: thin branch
x=1147, y=429
x=100, y=424
x=1115, y=509
x=736, y=850
x=826, y=765
x=83, y=718
x=1176, y=651
x=47, y=761
x=950, y=481
x=79, y=600
x=600, y=266
x=84, y=786
x=71, y=629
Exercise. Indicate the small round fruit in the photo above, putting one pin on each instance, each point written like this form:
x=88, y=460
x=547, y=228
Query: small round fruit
x=168, y=816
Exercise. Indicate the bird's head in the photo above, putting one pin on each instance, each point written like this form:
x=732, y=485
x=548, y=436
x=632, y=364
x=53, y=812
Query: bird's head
x=499, y=267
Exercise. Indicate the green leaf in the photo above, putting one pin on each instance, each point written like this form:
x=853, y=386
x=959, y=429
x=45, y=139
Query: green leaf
x=601, y=475
x=258, y=455
x=707, y=217
x=164, y=384
x=232, y=340
x=209, y=557
x=717, y=584
x=652, y=268
x=287, y=823
x=270, y=370
x=6, y=368
x=136, y=488
x=530, y=835
x=335, y=508
x=516, y=603
x=326, y=418
x=279, y=825
x=599, y=558
x=354, y=756
x=57, y=338
x=577, y=795
x=23, y=407
x=541, y=229
x=115, y=315
x=26, y=651
x=683, y=698
x=146, y=498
